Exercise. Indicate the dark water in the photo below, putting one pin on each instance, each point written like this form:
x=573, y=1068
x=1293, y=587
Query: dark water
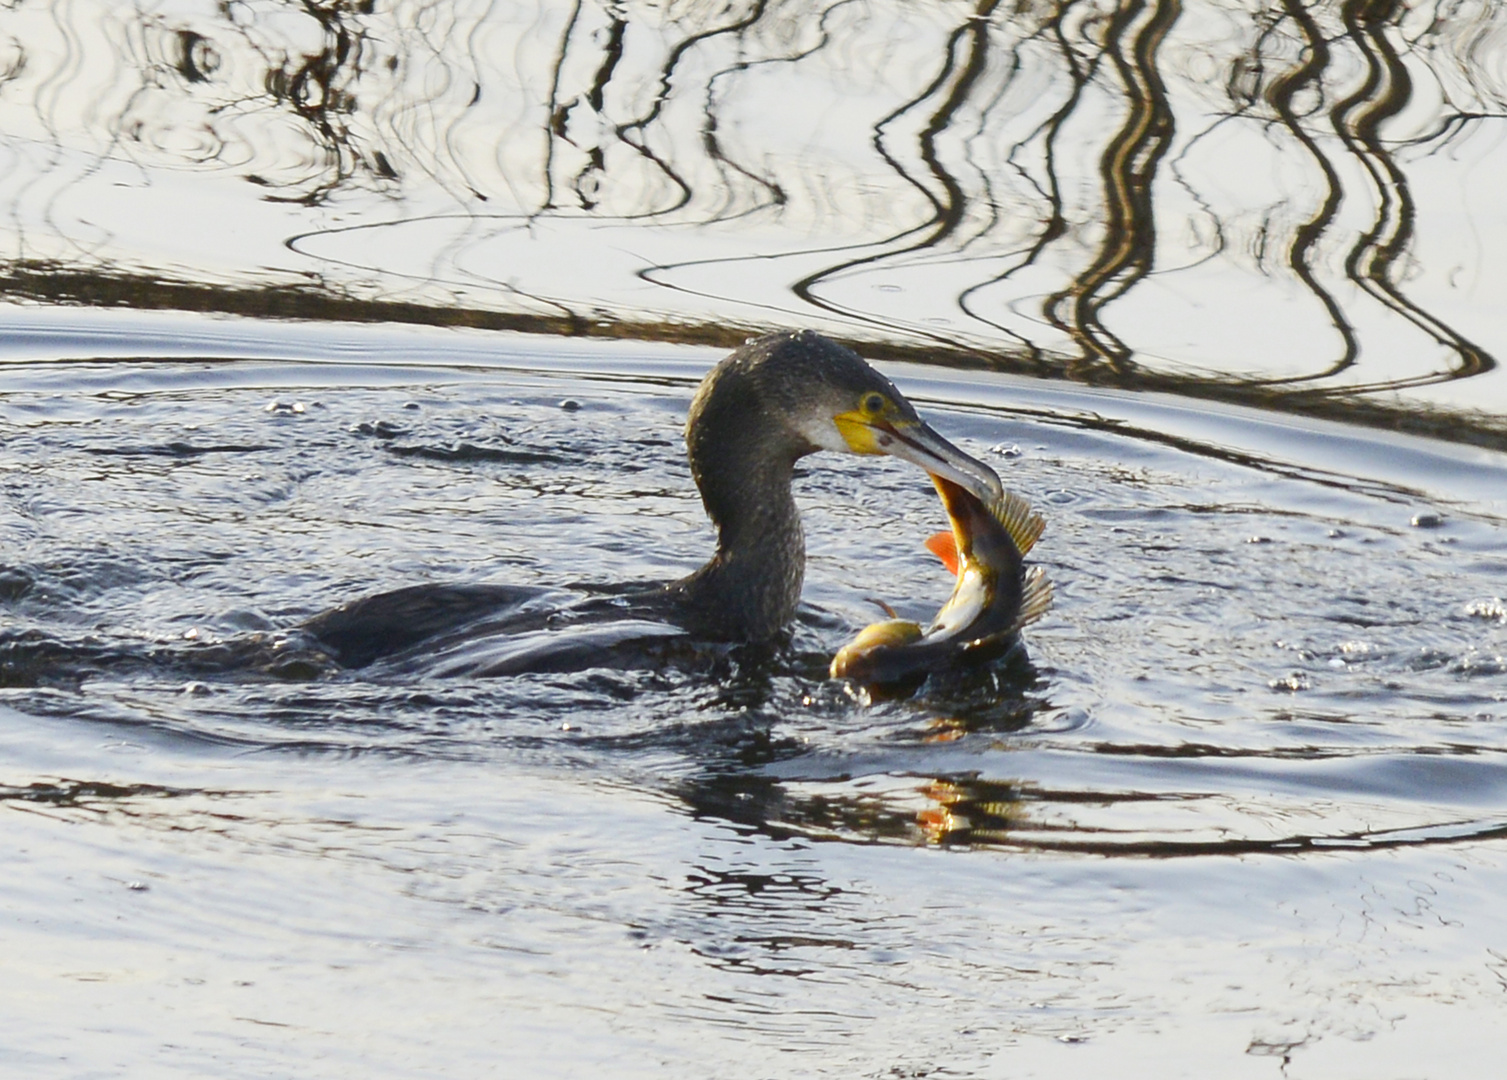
x=1265, y=200
x=1245, y=819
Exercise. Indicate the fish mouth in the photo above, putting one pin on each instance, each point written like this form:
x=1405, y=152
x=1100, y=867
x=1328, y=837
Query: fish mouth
x=978, y=560
x=967, y=512
x=916, y=442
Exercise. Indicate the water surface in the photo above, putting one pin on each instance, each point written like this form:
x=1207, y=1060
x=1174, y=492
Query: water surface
x=1243, y=813
x=1244, y=817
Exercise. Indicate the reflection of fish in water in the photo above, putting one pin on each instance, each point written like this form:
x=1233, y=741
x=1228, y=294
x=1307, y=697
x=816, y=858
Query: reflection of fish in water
x=994, y=598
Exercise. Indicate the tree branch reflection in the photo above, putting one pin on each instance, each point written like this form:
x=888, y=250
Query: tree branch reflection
x=980, y=176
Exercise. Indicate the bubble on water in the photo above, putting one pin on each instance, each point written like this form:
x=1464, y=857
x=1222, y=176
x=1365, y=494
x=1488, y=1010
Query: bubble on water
x=1475, y=664
x=295, y=408
x=380, y=429
x=1428, y=658
x=1293, y=683
x=1487, y=609
x=1011, y=450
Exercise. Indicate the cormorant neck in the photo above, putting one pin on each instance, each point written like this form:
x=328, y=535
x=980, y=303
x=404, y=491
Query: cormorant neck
x=750, y=588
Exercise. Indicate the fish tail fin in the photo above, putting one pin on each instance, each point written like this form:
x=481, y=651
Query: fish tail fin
x=1024, y=525
x=1035, y=599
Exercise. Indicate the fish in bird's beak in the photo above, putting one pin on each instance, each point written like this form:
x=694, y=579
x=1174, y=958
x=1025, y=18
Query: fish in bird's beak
x=881, y=425
x=994, y=598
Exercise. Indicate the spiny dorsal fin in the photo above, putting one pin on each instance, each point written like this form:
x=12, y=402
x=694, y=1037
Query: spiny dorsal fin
x=1022, y=523
x=1035, y=599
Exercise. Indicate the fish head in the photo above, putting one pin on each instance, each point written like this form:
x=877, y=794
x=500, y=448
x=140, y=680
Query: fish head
x=851, y=659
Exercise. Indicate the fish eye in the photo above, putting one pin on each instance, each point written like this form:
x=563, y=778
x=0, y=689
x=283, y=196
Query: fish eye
x=873, y=403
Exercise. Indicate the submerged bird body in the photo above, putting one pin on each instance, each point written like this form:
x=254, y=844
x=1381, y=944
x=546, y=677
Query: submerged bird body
x=763, y=408
x=994, y=598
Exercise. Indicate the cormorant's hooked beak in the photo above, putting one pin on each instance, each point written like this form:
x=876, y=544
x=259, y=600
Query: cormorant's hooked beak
x=914, y=441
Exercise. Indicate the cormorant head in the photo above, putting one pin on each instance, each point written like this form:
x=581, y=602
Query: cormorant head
x=807, y=393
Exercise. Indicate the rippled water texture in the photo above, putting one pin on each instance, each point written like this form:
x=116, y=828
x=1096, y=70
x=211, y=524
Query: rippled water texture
x=1245, y=818
x=1302, y=197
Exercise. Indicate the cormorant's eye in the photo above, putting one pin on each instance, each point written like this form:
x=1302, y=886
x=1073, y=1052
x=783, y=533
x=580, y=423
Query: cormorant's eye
x=873, y=403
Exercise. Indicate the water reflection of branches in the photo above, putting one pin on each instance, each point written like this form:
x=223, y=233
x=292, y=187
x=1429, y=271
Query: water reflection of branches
x=1281, y=94
x=1054, y=225
x=319, y=88
x=975, y=116
x=956, y=81
x=633, y=132
x=1356, y=119
x=1128, y=168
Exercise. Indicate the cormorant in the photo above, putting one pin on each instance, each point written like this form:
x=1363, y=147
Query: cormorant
x=764, y=407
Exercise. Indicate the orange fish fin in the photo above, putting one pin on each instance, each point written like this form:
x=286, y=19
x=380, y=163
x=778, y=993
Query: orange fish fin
x=945, y=547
